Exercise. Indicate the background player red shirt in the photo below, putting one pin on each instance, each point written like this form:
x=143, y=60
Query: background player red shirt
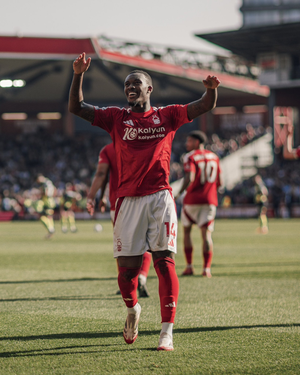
x=144, y=164
x=205, y=165
x=108, y=156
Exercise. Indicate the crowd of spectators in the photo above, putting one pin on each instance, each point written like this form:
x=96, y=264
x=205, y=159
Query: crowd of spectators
x=282, y=179
x=74, y=159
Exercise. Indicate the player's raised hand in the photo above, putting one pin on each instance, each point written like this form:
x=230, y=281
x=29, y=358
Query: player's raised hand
x=211, y=82
x=81, y=64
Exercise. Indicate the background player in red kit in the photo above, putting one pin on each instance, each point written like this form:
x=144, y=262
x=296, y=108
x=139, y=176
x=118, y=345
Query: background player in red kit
x=289, y=152
x=201, y=181
x=107, y=171
x=145, y=217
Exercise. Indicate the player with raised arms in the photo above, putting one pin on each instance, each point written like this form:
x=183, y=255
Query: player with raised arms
x=145, y=216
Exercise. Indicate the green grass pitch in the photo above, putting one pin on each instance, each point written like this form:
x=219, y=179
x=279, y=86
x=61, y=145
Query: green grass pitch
x=59, y=312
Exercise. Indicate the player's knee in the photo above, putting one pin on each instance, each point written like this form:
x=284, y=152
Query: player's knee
x=130, y=262
x=163, y=254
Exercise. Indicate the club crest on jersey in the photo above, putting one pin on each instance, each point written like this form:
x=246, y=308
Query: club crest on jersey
x=156, y=119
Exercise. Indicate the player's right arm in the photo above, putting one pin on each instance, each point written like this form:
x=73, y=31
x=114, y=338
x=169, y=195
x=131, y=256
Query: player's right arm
x=289, y=152
x=99, y=182
x=185, y=184
x=76, y=104
x=208, y=100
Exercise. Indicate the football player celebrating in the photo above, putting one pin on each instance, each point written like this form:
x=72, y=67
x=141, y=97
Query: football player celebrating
x=202, y=178
x=145, y=216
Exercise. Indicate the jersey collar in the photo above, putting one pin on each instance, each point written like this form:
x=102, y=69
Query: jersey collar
x=143, y=114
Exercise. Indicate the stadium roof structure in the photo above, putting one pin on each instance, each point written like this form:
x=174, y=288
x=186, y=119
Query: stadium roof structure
x=249, y=42
x=45, y=66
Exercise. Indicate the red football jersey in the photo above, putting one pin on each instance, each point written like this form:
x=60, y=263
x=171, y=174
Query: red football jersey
x=298, y=152
x=143, y=143
x=203, y=190
x=108, y=156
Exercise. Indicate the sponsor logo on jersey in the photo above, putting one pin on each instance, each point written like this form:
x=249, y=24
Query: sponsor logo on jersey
x=130, y=134
x=146, y=133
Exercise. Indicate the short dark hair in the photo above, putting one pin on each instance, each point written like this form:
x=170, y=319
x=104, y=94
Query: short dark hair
x=199, y=135
x=145, y=74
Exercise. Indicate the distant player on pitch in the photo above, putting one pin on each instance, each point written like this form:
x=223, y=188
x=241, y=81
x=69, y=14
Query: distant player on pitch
x=202, y=178
x=47, y=203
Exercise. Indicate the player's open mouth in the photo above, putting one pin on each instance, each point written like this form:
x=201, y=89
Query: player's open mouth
x=132, y=95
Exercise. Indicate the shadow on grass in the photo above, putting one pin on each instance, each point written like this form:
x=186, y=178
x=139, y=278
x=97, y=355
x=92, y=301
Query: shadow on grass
x=60, y=280
x=266, y=264
x=55, y=351
x=98, y=335
x=64, y=298
x=263, y=273
x=64, y=280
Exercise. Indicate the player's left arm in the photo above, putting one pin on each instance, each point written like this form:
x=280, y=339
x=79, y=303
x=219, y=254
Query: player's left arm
x=208, y=100
x=99, y=181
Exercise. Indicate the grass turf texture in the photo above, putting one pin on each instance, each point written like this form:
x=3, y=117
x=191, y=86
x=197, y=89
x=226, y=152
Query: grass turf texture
x=60, y=314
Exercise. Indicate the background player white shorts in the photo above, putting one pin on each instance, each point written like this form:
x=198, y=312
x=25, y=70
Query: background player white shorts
x=145, y=223
x=199, y=214
x=112, y=215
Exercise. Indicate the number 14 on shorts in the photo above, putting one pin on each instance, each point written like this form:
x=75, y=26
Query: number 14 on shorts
x=170, y=233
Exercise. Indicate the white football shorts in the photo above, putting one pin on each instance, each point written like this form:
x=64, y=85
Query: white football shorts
x=200, y=214
x=145, y=223
x=112, y=215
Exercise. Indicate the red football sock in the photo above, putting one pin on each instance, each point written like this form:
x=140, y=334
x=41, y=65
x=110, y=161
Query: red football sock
x=188, y=251
x=207, y=255
x=128, y=283
x=146, y=264
x=168, y=288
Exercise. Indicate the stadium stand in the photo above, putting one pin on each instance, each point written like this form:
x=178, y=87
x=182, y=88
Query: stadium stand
x=38, y=73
